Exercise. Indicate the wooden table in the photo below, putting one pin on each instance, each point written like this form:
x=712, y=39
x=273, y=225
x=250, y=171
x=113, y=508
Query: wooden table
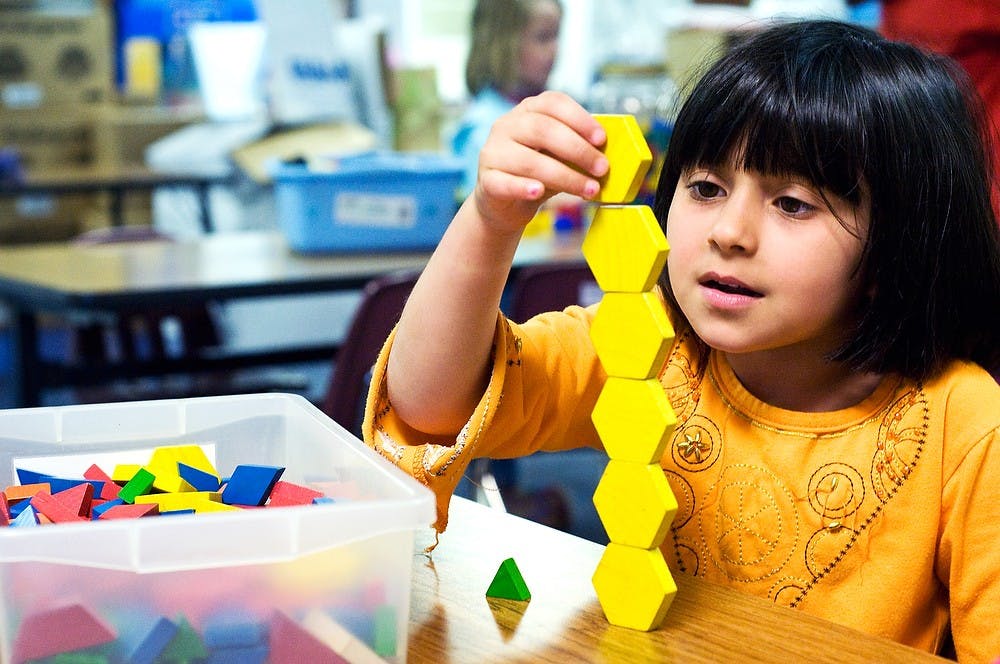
x=452, y=621
x=66, y=278
x=117, y=182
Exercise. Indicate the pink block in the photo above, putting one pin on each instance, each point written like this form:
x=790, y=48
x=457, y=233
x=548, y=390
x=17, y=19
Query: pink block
x=58, y=630
x=129, y=511
x=109, y=491
x=54, y=509
x=291, y=644
x=78, y=498
x=286, y=493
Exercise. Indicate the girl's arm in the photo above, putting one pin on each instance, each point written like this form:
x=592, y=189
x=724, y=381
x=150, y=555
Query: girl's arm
x=438, y=365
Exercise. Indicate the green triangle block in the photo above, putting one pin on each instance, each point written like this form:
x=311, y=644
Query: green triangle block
x=508, y=583
x=186, y=646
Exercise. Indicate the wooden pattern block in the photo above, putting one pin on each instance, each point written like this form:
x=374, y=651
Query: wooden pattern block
x=634, y=419
x=223, y=632
x=384, y=633
x=26, y=518
x=164, y=460
x=625, y=248
x=243, y=655
x=199, y=479
x=61, y=629
x=250, y=484
x=124, y=472
x=98, y=510
x=78, y=497
x=186, y=646
x=635, y=503
x=199, y=501
x=632, y=334
x=337, y=638
x=287, y=493
x=19, y=492
x=292, y=644
x=154, y=642
x=140, y=484
x=54, y=509
x=627, y=252
x=629, y=157
x=508, y=583
x=128, y=511
x=4, y=510
x=109, y=489
x=634, y=586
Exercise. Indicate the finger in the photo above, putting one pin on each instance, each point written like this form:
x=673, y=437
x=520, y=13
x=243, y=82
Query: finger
x=553, y=174
x=503, y=185
x=549, y=135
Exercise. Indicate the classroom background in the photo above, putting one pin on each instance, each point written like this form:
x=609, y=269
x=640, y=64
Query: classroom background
x=225, y=95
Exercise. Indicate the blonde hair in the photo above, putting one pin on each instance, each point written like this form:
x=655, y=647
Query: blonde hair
x=497, y=26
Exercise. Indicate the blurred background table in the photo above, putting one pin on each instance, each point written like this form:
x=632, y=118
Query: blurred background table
x=67, y=279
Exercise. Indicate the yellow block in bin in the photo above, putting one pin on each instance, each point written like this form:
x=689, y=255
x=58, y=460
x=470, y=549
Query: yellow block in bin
x=625, y=248
x=629, y=156
x=123, y=472
x=163, y=465
x=199, y=501
x=634, y=586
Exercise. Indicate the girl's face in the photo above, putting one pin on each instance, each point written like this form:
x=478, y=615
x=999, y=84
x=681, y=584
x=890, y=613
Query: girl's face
x=539, y=44
x=759, y=262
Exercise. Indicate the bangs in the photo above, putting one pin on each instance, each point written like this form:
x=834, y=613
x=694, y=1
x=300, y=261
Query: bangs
x=778, y=117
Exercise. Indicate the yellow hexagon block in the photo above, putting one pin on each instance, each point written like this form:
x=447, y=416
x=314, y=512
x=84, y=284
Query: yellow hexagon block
x=629, y=157
x=631, y=334
x=634, y=587
x=634, y=419
x=625, y=248
x=635, y=503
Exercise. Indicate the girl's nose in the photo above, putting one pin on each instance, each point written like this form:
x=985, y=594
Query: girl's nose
x=734, y=229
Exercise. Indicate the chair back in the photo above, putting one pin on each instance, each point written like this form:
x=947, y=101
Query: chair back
x=551, y=287
x=382, y=301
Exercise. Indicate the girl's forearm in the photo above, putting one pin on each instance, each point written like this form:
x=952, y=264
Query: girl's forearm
x=439, y=363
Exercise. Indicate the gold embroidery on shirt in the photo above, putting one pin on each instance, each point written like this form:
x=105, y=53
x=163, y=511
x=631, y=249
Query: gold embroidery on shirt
x=750, y=526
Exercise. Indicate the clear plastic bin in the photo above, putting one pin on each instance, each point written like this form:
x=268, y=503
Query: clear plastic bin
x=232, y=575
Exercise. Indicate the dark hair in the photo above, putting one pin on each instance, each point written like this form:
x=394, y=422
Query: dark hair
x=851, y=111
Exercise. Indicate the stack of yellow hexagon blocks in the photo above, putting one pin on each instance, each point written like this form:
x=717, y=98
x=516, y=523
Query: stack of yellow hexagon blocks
x=626, y=251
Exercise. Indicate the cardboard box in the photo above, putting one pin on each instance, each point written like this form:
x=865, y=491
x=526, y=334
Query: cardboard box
x=49, y=138
x=254, y=578
x=55, y=58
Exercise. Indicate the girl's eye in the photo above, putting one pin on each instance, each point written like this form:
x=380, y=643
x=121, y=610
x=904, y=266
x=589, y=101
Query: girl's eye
x=704, y=190
x=790, y=205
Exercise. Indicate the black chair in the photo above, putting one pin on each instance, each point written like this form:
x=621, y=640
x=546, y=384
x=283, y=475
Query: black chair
x=382, y=301
x=550, y=287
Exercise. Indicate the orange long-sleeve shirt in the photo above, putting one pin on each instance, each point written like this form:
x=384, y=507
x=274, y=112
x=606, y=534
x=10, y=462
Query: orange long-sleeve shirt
x=880, y=516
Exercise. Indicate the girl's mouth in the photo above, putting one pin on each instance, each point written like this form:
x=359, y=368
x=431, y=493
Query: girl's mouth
x=730, y=287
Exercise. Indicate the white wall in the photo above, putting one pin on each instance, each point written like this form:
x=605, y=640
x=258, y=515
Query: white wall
x=435, y=33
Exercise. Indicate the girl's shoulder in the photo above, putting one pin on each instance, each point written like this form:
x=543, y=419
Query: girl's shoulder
x=965, y=399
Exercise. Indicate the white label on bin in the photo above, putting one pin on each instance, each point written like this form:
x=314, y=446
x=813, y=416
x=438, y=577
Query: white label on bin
x=375, y=210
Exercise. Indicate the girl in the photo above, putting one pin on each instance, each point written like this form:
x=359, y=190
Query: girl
x=834, y=281
x=513, y=50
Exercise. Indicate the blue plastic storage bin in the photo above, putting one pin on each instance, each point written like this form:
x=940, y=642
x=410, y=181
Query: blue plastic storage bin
x=381, y=201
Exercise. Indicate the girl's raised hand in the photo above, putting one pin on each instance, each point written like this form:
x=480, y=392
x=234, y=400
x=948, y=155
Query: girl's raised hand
x=546, y=145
